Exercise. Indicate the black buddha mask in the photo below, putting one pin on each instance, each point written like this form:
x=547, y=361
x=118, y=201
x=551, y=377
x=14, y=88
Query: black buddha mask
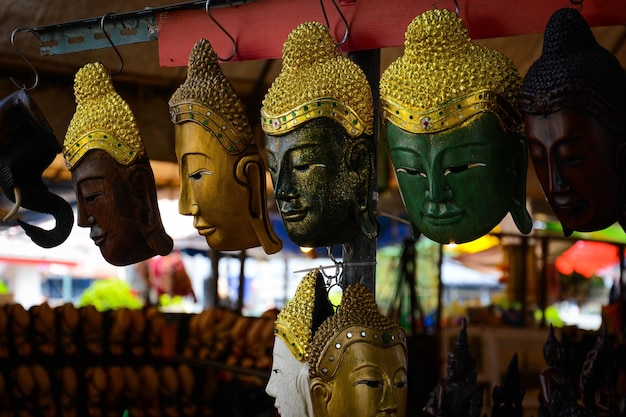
x=575, y=121
x=318, y=123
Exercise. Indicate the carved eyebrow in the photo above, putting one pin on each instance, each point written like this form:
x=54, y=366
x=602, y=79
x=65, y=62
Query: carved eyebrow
x=372, y=383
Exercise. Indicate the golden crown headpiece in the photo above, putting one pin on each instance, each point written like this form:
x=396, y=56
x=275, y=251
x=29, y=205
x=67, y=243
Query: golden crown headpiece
x=357, y=320
x=103, y=120
x=208, y=99
x=297, y=322
x=316, y=81
x=444, y=79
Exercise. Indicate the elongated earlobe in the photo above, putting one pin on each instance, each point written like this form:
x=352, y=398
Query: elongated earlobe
x=361, y=161
x=250, y=171
x=320, y=397
x=520, y=215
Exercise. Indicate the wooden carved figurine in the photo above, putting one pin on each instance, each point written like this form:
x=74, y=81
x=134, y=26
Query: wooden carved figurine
x=294, y=328
x=574, y=111
x=557, y=397
x=358, y=361
x=458, y=394
x=508, y=396
x=598, y=378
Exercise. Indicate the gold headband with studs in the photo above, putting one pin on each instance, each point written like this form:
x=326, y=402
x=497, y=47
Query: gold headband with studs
x=452, y=114
x=322, y=107
x=328, y=362
x=212, y=122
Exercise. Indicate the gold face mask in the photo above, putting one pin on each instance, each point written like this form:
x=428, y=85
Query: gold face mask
x=221, y=171
x=358, y=362
x=113, y=180
x=318, y=120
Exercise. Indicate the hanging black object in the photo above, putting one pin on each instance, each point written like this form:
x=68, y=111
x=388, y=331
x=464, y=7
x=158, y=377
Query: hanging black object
x=27, y=147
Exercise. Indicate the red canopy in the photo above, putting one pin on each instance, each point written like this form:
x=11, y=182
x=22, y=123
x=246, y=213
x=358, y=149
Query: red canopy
x=587, y=257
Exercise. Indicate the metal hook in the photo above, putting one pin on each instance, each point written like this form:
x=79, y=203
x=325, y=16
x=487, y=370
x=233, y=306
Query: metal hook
x=457, y=9
x=576, y=3
x=36, y=82
x=345, y=22
x=208, y=12
x=112, y=44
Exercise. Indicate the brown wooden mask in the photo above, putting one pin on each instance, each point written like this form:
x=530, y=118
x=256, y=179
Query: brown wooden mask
x=575, y=121
x=114, y=183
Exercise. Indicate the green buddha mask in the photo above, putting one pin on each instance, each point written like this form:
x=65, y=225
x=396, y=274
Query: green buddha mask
x=222, y=174
x=318, y=122
x=453, y=132
x=572, y=99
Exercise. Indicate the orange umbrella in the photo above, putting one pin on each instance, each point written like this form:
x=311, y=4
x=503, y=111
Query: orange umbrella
x=587, y=257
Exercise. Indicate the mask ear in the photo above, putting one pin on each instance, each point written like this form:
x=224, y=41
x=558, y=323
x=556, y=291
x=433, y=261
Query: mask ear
x=520, y=215
x=250, y=171
x=142, y=186
x=320, y=397
x=361, y=161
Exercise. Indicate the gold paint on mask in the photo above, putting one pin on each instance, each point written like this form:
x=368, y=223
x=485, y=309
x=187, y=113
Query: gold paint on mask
x=316, y=81
x=293, y=324
x=443, y=78
x=208, y=99
x=357, y=320
x=225, y=191
x=103, y=120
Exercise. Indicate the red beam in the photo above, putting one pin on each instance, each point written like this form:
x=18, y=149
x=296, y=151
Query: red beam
x=36, y=261
x=260, y=28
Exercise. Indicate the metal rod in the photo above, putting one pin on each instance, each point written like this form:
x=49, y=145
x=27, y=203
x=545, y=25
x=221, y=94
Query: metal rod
x=124, y=28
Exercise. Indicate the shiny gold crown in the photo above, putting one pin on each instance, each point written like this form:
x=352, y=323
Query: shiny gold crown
x=316, y=81
x=103, y=120
x=444, y=79
x=294, y=322
x=356, y=320
x=208, y=99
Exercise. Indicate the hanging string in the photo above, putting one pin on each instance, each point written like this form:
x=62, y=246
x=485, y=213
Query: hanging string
x=343, y=18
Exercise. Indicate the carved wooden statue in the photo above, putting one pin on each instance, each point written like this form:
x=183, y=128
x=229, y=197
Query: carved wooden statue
x=458, y=394
x=574, y=111
x=598, y=378
x=557, y=397
x=112, y=176
x=508, y=396
x=294, y=329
